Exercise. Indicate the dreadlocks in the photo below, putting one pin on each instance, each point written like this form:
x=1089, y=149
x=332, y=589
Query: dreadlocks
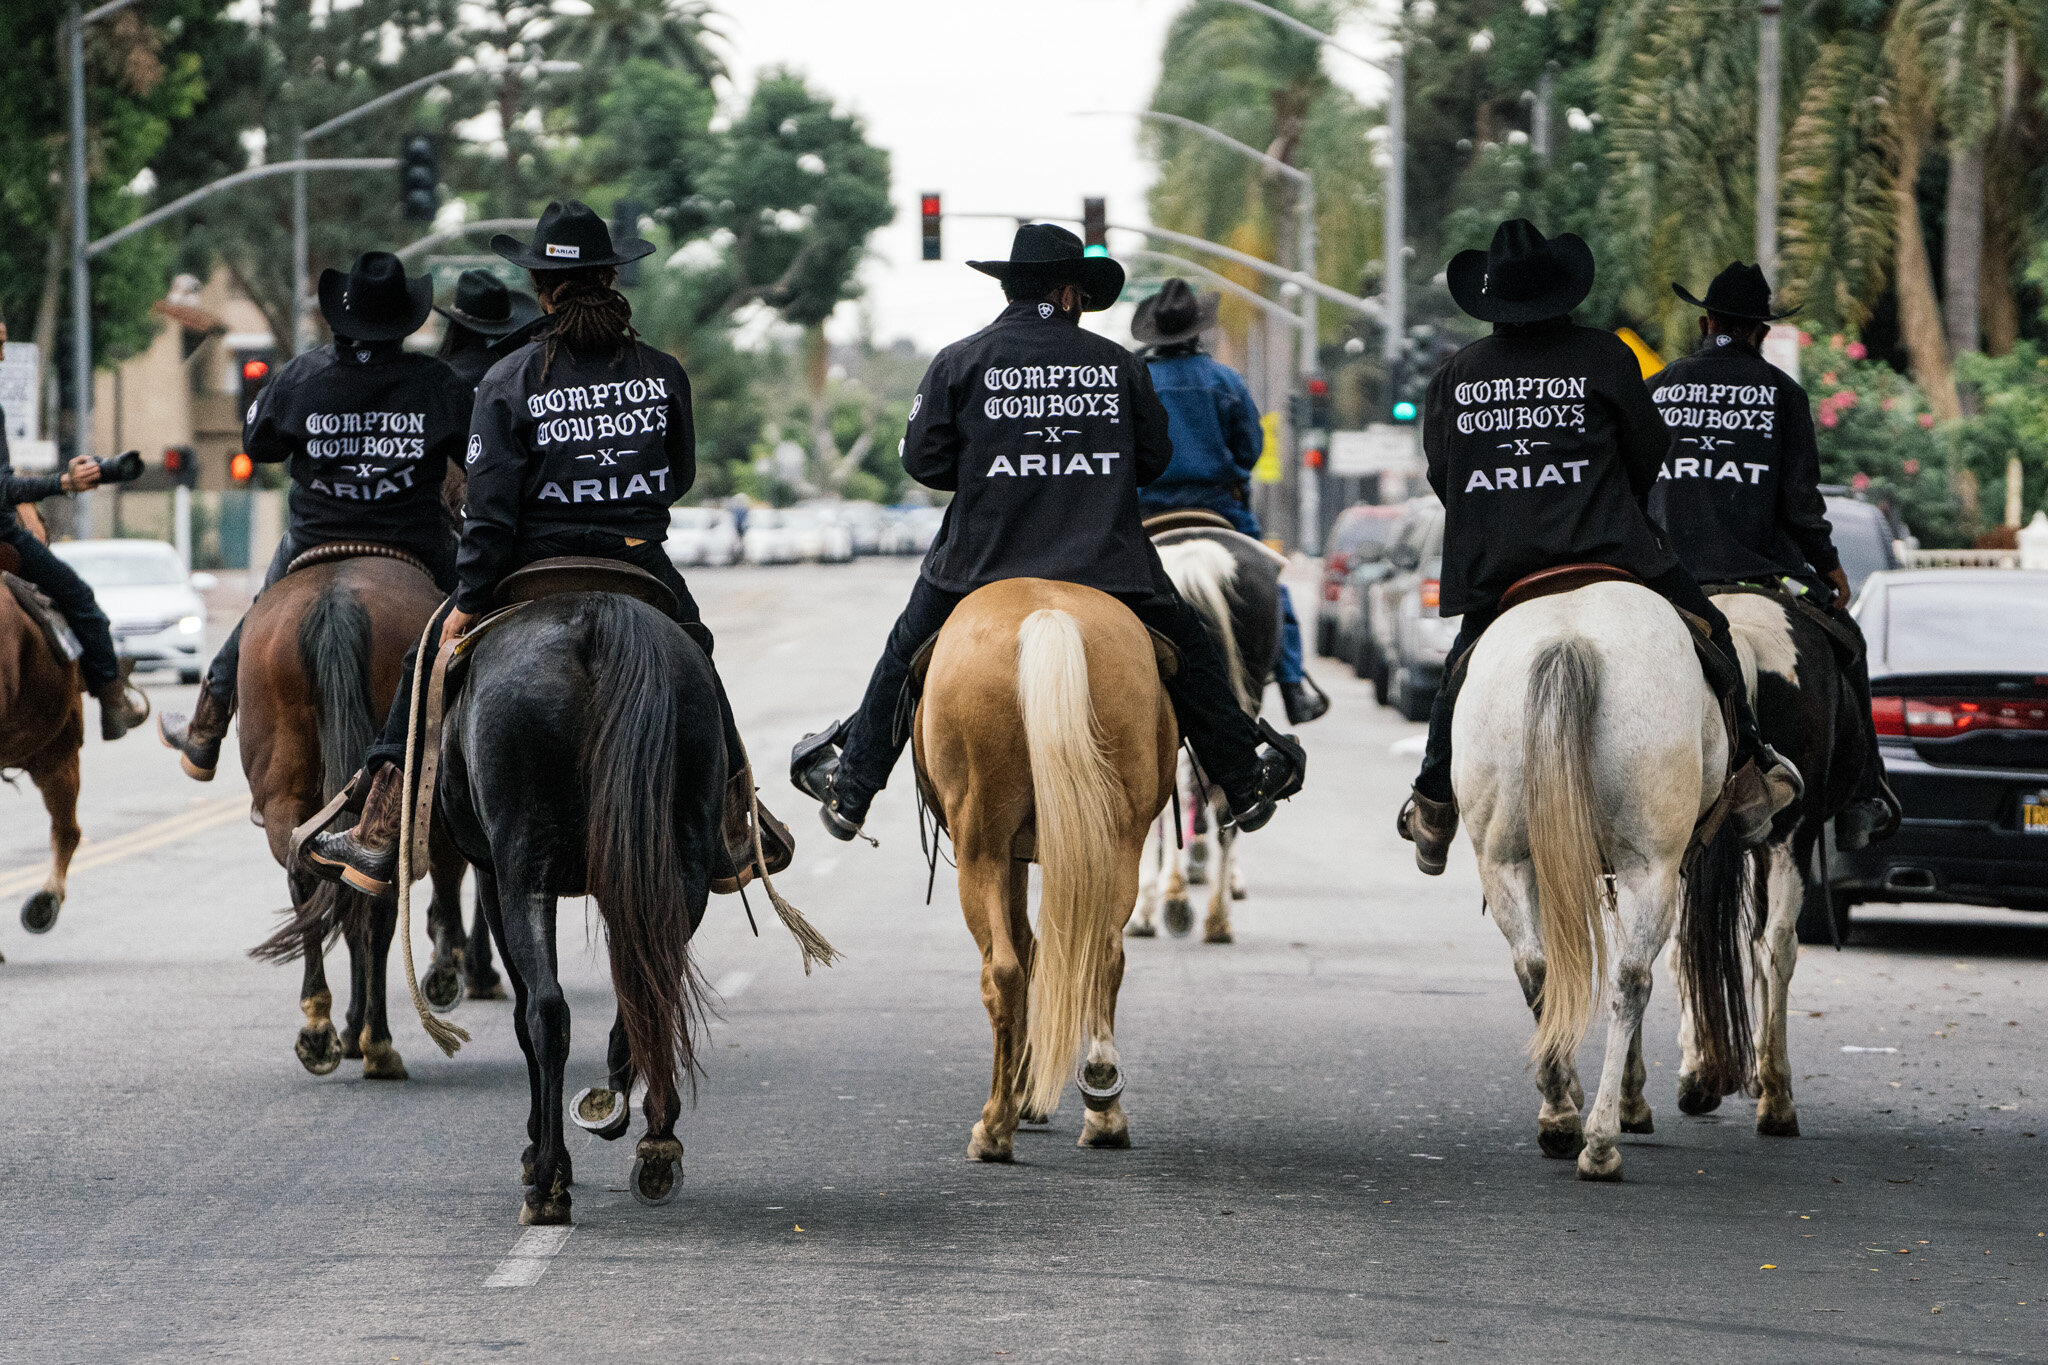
x=590, y=316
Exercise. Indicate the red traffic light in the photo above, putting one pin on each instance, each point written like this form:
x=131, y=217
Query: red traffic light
x=253, y=370
x=1312, y=457
x=928, y=205
x=174, y=460
x=928, y=211
x=241, y=469
x=1318, y=387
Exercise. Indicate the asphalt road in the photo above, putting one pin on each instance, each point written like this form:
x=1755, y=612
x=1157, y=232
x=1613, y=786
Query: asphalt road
x=1334, y=1127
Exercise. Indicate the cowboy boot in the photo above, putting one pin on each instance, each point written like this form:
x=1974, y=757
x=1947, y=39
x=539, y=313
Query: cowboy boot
x=198, y=738
x=1430, y=826
x=814, y=771
x=122, y=708
x=1758, y=789
x=778, y=845
x=1304, y=700
x=365, y=858
x=1868, y=819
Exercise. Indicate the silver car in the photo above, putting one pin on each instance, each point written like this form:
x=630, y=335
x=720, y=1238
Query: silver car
x=153, y=605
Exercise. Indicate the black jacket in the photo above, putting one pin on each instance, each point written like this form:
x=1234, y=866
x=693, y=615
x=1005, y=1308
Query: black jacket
x=366, y=435
x=1739, y=493
x=19, y=488
x=1542, y=442
x=474, y=360
x=1044, y=432
x=602, y=443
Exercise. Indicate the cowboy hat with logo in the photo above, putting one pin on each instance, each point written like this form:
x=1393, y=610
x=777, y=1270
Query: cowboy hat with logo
x=1523, y=276
x=1043, y=254
x=485, y=306
x=570, y=237
x=1175, y=314
x=1740, y=293
x=375, y=301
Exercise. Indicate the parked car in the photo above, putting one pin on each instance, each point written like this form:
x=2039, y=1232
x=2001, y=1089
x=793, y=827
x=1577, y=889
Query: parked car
x=1863, y=537
x=702, y=535
x=796, y=535
x=911, y=530
x=1351, y=638
x=1358, y=536
x=1959, y=693
x=863, y=521
x=1413, y=551
x=153, y=605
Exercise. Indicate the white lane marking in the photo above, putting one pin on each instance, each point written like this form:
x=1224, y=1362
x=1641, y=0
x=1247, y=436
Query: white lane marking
x=151, y=836
x=732, y=983
x=528, y=1259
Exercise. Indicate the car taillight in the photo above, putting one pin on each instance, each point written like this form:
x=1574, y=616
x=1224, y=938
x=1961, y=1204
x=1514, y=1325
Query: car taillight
x=1888, y=715
x=1333, y=576
x=1430, y=588
x=1947, y=717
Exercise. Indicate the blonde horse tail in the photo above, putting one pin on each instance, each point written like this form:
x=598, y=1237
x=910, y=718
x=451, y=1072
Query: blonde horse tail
x=1564, y=843
x=1205, y=574
x=1078, y=800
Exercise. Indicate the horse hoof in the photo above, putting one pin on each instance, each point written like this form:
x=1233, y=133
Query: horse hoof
x=491, y=989
x=1694, y=1098
x=607, y=1113
x=39, y=912
x=551, y=1211
x=981, y=1147
x=1105, y=1131
x=1033, y=1117
x=1180, y=917
x=1099, y=1082
x=319, y=1048
x=381, y=1061
x=1217, y=936
x=1770, y=1125
x=1606, y=1168
x=443, y=988
x=1645, y=1124
x=1561, y=1144
x=1238, y=893
x=1143, y=929
x=657, y=1170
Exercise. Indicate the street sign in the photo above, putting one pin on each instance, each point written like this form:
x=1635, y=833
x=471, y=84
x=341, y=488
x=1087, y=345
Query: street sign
x=20, y=372
x=1381, y=448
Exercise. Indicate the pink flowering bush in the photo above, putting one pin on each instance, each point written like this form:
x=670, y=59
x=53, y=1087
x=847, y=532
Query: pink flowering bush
x=1877, y=437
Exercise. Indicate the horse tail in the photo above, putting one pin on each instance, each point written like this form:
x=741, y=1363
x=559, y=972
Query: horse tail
x=1078, y=799
x=639, y=863
x=1716, y=909
x=1564, y=843
x=1206, y=575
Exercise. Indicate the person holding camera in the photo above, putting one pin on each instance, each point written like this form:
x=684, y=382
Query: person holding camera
x=120, y=710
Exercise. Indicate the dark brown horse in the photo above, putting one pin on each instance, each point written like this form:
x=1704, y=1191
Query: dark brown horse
x=320, y=657
x=42, y=726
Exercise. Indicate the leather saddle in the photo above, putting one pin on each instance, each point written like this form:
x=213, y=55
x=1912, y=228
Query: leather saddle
x=57, y=632
x=1563, y=578
x=1186, y=518
x=335, y=550
x=585, y=573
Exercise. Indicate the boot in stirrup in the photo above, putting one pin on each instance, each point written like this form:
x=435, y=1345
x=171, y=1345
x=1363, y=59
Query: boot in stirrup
x=365, y=858
x=1304, y=700
x=778, y=845
x=1759, y=789
x=122, y=708
x=1430, y=826
x=814, y=771
x=197, y=740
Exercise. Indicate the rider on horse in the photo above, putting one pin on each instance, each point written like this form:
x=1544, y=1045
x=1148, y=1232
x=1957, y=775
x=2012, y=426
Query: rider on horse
x=1214, y=424
x=97, y=663
x=367, y=430
x=486, y=323
x=1043, y=432
x=1543, y=443
x=1739, y=497
x=582, y=439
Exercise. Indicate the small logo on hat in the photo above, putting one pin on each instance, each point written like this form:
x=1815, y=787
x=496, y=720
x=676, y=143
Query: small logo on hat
x=573, y=253
x=1045, y=310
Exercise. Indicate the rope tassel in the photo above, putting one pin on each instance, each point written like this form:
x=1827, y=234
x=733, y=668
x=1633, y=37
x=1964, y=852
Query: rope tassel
x=809, y=941
x=448, y=1037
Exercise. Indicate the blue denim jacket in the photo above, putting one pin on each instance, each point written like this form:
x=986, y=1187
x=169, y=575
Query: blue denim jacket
x=1215, y=429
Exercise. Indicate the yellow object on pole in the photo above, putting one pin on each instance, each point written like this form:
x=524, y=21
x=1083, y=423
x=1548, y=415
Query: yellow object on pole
x=1646, y=356
x=1267, y=470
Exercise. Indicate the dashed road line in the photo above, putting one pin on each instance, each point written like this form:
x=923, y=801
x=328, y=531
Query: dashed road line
x=528, y=1259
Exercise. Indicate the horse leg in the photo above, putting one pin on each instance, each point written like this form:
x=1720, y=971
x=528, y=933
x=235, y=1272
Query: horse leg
x=58, y=782
x=480, y=977
x=1103, y=1122
x=607, y=1109
x=442, y=983
x=1635, y=1109
x=1776, y=955
x=1511, y=897
x=993, y=889
x=487, y=906
x=526, y=924
x=1150, y=863
x=318, y=1047
x=357, y=940
x=1693, y=1098
x=1647, y=897
x=1229, y=887
x=1182, y=868
x=381, y=1061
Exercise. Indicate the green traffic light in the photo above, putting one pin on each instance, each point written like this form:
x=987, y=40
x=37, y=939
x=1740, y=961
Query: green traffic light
x=1095, y=251
x=1404, y=411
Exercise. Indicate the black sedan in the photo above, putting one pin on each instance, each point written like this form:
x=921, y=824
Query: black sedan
x=1959, y=688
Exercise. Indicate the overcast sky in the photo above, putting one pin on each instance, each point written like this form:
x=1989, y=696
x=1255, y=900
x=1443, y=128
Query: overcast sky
x=982, y=101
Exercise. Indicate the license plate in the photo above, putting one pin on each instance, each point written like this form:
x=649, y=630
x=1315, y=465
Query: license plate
x=2034, y=814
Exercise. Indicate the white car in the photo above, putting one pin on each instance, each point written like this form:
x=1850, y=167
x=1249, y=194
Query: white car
x=863, y=521
x=702, y=535
x=767, y=541
x=153, y=606
x=797, y=535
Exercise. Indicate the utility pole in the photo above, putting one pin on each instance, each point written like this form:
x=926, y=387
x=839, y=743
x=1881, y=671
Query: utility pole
x=81, y=283
x=1767, y=89
x=1394, y=214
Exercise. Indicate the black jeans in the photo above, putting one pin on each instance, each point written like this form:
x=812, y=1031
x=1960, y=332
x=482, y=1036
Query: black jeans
x=1675, y=586
x=1224, y=739
x=437, y=553
x=97, y=663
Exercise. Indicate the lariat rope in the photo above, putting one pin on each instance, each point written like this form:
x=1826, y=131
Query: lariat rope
x=809, y=941
x=448, y=1037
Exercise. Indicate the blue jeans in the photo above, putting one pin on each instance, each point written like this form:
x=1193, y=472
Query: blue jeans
x=1288, y=666
x=97, y=663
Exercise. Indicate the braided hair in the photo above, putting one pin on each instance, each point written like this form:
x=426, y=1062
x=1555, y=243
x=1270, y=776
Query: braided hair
x=591, y=317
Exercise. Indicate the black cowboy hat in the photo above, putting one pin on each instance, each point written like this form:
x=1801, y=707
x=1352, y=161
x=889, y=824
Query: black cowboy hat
x=1176, y=313
x=1523, y=276
x=485, y=306
x=375, y=301
x=1740, y=293
x=570, y=237
x=1041, y=253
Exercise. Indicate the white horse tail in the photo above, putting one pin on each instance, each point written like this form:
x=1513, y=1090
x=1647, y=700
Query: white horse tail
x=1078, y=799
x=1206, y=575
x=1564, y=843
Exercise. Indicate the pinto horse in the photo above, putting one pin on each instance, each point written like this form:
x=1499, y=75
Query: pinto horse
x=320, y=658
x=1587, y=749
x=1044, y=735
x=42, y=727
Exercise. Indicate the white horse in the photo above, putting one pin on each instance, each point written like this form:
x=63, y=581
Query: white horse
x=1586, y=748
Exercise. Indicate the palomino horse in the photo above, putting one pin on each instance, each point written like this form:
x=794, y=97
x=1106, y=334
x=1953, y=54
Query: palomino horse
x=1587, y=748
x=1808, y=712
x=1044, y=735
x=1233, y=582
x=320, y=656
x=42, y=726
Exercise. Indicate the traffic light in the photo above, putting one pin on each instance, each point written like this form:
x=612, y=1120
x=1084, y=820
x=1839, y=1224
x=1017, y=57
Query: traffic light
x=419, y=179
x=255, y=374
x=182, y=464
x=1404, y=411
x=241, y=469
x=928, y=212
x=1401, y=405
x=1319, y=403
x=1094, y=228
x=626, y=223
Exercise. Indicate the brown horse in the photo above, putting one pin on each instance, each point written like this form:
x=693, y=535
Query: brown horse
x=1045, y=736
x=42, y=726
x=320, y=657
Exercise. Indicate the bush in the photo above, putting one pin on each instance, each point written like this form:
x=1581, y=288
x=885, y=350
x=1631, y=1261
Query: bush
x=2011, y=418
x=1877, y=435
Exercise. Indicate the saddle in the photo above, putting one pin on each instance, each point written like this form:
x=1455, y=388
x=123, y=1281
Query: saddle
x=1563, y=578
x=57, y=632
x=1186, y=518
x=1848, y=644
x=586, y=573
x=335, y=550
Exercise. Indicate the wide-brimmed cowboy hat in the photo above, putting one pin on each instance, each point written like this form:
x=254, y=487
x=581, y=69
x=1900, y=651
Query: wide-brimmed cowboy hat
x=570, y=237
x=1523, y=277
x=375, y=301
x=1176, y=313
x=1042, y=253
x=1740, y=293
x=487, y=307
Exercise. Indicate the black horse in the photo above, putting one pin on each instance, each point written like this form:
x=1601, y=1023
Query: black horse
x=586, y=757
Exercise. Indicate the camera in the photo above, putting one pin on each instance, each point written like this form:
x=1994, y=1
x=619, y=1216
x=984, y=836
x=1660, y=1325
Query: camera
x=123, y=468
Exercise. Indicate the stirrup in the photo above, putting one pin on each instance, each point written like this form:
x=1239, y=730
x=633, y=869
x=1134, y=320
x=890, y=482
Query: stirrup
x=1297, y=761
x=807, y=772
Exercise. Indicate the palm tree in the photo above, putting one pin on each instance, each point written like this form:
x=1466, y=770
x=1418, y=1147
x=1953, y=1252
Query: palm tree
x=675, y=33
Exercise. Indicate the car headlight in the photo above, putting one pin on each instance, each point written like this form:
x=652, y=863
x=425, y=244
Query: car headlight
x=190, y=625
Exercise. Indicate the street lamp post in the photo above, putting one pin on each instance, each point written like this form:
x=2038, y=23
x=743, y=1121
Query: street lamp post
x=1767, y=90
